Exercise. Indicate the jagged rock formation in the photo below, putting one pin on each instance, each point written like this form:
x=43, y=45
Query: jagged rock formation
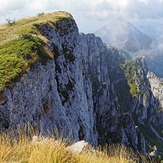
x=147, y=99
x=156, y=87
x=81, y=92
x=146, y=108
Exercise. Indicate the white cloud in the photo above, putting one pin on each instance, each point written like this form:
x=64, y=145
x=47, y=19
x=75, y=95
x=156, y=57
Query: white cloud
x=12, y=5
x=36, y=5
x=144, y=9
x=83, y=10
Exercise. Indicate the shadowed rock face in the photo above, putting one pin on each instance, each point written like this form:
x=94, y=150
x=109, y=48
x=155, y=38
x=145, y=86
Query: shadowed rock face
x=79, y=92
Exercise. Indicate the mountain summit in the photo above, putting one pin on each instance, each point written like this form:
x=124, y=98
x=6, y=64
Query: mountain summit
x=124, y=35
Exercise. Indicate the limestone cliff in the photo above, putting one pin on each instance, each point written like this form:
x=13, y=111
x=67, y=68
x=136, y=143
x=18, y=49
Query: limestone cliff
x=146, y=101
x=156, y=87
x=82, y=92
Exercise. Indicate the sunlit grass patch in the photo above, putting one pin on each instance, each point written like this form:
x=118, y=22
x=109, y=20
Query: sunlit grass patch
x=29, y=146
x=28, y=25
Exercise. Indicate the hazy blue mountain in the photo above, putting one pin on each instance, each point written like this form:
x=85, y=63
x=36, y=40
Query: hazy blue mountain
x=132, y=42
x=124, y=35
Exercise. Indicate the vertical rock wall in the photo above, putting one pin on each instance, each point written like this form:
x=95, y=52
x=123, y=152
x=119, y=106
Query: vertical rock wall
x=77, y=92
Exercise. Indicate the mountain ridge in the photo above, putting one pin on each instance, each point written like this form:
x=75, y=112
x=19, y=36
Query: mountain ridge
x=131, y=41
x=84, y=89
x=124, y=35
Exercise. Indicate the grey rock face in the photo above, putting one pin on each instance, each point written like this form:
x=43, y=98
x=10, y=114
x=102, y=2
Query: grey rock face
x=147, y=105
x=75, y=93
x=150, y=96
x=53, y=95
x=156, y=87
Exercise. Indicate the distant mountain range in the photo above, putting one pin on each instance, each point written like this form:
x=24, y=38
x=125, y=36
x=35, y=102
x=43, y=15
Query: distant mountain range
x=131, y=41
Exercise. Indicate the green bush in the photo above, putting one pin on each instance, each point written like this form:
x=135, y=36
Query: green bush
x=129, y=68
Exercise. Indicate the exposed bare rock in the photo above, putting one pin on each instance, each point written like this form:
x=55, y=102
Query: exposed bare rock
x=77, y=147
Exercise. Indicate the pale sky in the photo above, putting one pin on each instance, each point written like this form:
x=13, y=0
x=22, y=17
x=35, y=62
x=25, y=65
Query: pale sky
x=90, y=15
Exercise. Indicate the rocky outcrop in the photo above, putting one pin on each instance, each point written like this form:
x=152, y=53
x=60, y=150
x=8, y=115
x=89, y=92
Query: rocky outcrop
x=146, y=106
x=146, y=101
x=77, y=147
x=53, y=96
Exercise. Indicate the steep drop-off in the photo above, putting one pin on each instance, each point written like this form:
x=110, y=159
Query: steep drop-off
x=81, y=90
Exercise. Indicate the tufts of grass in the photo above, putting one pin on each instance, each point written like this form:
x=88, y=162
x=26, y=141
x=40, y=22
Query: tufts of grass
x=29, y=25
x=30, y=147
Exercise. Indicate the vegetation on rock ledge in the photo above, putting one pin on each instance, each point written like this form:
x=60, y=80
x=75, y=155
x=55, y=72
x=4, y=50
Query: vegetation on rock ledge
x=22, y=45
x=130, y=68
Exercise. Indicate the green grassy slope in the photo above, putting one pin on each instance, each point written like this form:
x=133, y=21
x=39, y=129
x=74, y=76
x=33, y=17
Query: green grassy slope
x=22, y=45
